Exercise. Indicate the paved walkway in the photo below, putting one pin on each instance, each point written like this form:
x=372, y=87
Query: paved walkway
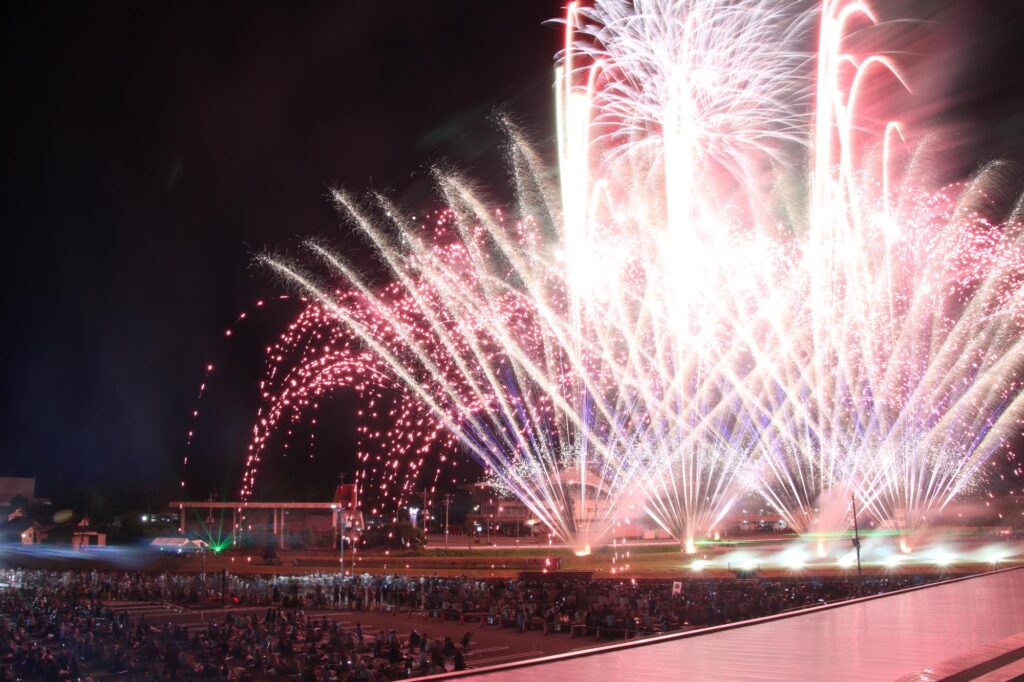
x=873, y=639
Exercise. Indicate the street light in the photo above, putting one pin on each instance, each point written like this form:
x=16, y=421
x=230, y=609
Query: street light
x=447, y=503
x=856, y=546
x=341, y=537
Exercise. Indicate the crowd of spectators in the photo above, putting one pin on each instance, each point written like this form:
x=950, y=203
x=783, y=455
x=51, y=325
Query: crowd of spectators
x=66, y=625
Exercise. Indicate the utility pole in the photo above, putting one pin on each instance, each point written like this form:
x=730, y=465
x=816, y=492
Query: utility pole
x=209, y=513
x=202, y=600
x=424, y=493
x=447, y=503
x=426, y=511
x=856, y=545
x=355, y=536
x=341, y=526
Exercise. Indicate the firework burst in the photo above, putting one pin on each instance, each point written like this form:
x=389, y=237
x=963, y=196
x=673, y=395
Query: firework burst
x=692, y=315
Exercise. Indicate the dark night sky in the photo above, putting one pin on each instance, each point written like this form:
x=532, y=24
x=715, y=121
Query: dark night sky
x=150, y=149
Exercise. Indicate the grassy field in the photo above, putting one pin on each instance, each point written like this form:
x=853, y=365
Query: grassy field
x=642, y=562
x=629, y=561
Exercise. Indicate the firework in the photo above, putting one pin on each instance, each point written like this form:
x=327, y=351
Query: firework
x=907, y=378
x=691, y=315
x=315, y=358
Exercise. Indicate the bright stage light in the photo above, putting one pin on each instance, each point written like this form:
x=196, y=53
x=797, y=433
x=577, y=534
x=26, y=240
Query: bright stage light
x=892, y=561
x=847, y=560
x=794, y=560
x=699, y=565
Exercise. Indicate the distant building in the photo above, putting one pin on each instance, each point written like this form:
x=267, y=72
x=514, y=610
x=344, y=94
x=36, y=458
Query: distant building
x=502, y=514
x=84, y=535
x=78, y=534
x=32, y=534
x=20, y=528
x=285, y=524
x=346, y=502
x=507, y=514
x=490, y=507
x=751, y=519
x=178, y=545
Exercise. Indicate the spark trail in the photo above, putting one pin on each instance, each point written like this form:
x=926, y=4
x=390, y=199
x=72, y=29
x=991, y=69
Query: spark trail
x=739, y=285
